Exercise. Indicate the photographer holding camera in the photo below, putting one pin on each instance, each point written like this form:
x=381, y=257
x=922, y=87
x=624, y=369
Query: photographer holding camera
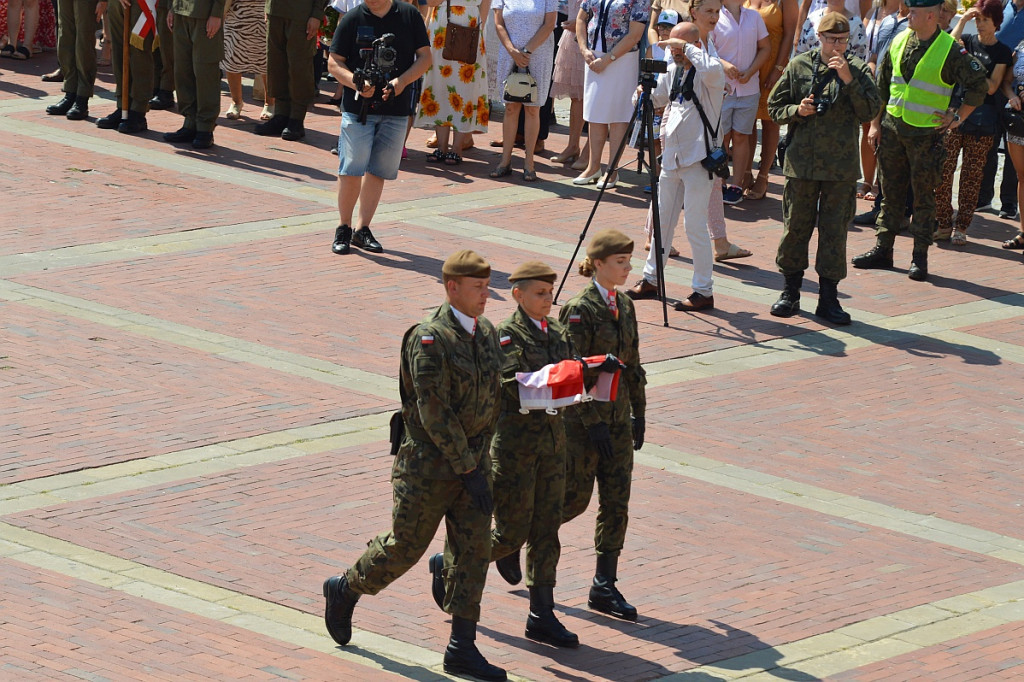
x=379, y=49
x=824, y=95
x=692, y=91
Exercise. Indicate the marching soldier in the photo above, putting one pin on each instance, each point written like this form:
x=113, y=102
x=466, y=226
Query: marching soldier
x=450, y=383
x=76, y=52
x=292, y=27
x=824, y=95
x=916, y=78
x=198, y=51
x=601, y=436
x=140, y=69
x=529, y=460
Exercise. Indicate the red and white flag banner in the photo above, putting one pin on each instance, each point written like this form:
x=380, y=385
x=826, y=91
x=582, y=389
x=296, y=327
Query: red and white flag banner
x=561, y=384
x=145, y=25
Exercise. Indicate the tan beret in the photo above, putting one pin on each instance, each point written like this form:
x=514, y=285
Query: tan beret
x=466, y=263
x=834, y=22
x=533, y=269
x=608, y=243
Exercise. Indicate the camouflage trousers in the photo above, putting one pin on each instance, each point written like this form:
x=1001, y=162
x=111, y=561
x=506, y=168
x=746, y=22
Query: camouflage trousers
x=905, y=163
x=809, y=203
x=419, y=507
x=614, y=476
x=529, y=486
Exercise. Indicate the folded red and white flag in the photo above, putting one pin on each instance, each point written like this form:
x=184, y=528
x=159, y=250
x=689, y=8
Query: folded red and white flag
x=145, y=25
x=561, y=384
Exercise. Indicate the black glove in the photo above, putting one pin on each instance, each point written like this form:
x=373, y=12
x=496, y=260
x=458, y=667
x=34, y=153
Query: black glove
x=476, y=485
x=639, y=427
x=610, y=364
x=601, y=437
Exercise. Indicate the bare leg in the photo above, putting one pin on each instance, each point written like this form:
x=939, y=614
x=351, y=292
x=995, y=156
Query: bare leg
x=441, y=132
x=369, y=198
x=867, y=157
x=235, y=88
x=1016, y=153
x=14, y=8
x=348, y=194
x=572, y=148
x=617, y=131
x=531, y=130
x=742, y=156
x=598, y=136
x=31, y=22
x=509, y=123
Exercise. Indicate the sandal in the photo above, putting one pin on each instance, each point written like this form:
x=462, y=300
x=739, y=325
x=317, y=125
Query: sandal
x=234, y=112
x=7, y=51
x=21, y=54
x=942, y=234
x=758, y=189
x=435, y=157
x=871, y=194
x=733, y=252
x=431, y=142
x=1015, y=243
x=529, y=175
x=267, y=113
x=958, y=238
x=452, y=159
x=862, y=189
x=501, y=171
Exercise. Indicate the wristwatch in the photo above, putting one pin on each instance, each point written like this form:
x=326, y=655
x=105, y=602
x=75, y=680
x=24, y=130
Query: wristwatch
x=611, y=56
x=527, y=52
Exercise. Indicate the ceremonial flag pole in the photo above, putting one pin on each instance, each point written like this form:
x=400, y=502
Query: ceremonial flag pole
x=125, y=75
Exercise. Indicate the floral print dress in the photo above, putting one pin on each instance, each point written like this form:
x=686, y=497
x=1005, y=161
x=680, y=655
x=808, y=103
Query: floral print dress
x=454, y=94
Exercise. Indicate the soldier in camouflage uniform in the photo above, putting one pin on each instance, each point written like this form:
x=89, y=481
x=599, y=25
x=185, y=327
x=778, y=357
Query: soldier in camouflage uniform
x=450, y=382
x=822, y=162
x=601, y=437
x=908, y=134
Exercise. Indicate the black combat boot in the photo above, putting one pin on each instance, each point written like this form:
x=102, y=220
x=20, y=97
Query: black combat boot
x=62, y=107
x=182, y=134
x=436, y=565
x=788, y=304
x=162, y=100
x=542, y=625
x=341, y=601
x=294, y=130
x=878, y=257
x=508, y=568
x=828, y=303
x=463, y=658
x=203, y=139
x=918, y=266
x=274, y=127
x=135, y=123
x=79, y=111
x=110, y=121
x=604, y=596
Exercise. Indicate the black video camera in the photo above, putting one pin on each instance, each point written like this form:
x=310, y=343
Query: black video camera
x=717, y=162
x=378, y=60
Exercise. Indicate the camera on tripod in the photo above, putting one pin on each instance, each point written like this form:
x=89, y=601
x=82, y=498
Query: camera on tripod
x=378, y=60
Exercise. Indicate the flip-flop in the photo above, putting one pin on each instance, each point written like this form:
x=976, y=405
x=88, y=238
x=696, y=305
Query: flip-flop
x=862, y=189
x=452, y=159
x=7, y=51
x=733, y=253
x=435, y=157
x=1015, y=243
x=21, y=53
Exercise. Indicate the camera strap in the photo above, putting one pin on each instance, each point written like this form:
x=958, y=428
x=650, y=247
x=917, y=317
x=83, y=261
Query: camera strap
x=686, y=92
x=602, y=22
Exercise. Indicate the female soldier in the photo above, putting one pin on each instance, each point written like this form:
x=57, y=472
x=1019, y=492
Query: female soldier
x=600, y=436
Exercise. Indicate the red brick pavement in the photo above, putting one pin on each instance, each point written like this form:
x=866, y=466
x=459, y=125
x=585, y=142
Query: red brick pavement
x=714, y=573
x=993, y=654
x=56, y=627
x=75, y=395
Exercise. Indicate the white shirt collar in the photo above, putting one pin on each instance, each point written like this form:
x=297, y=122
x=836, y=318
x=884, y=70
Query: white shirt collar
x=537, y=323
x=602, y=291
x=468, y=323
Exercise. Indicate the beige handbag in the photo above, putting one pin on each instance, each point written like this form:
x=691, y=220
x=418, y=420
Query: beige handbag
x=520, y=86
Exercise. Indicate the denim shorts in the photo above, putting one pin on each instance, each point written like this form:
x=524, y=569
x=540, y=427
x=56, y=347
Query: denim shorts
x=739, y=113
x=374, y=148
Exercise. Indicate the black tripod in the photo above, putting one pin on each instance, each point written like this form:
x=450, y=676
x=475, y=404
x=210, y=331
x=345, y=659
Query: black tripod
x=644, y=110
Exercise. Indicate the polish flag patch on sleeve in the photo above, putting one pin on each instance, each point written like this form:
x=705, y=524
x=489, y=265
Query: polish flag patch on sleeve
x=426, y=340
x=574, y=318
x=505, y=340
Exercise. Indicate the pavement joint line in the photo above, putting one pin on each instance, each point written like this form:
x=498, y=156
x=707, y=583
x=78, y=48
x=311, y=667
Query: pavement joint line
x=873, y=640
x=260, y=616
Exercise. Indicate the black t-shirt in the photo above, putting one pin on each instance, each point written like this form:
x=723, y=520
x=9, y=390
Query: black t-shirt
x=989, y=56
x=406, y=23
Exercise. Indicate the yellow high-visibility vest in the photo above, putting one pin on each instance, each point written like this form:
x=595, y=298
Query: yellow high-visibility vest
x=916, y=101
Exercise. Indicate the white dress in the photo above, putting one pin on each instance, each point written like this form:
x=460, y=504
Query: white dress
x=522, y=20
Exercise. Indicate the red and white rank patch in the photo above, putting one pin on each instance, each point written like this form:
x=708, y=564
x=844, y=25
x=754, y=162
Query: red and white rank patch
x=426, y=340
x=505, y=340
x=574, y=318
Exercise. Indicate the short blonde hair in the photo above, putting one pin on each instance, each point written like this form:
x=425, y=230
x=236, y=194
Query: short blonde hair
x=950, y=6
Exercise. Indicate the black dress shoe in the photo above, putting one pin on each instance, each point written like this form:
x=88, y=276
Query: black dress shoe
x=436, y=566
x=342, y=240
x=272, y=128
x=202, y=140
x=866, y=218
x=62, y=106
x=182, y=134
x=877, y=257
x=135, y=123
x=110, y=121
x=341, y=601
x=79, y=111
x=363, y=238
x=918, y=266
x=162, y=100
x=508, y=568
x=294, y=131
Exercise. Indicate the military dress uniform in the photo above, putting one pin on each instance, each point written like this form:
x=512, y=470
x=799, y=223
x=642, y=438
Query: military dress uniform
x=449, y=383
x=910, y=155
x=597, y=329
x=140, y=70
x=164, y=97
x=822, y=165
x=76, y=53
x=290, y=65
x=197, y=70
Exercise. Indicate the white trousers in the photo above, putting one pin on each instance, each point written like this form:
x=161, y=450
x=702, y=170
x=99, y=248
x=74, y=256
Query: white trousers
x=689, y=186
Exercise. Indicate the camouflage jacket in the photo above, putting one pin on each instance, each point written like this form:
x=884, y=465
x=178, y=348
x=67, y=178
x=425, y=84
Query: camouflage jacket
x=450, y=383
x=198, y=9
x=595, y=331
x=527, y=349
x=827, y=146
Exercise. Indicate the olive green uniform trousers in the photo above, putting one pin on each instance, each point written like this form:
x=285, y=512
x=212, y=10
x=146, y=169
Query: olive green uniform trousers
x=166, y=35
x=76, y=45
x=807, y=204
x=140, y=62
x=197, y=72
x=290, y=67
x=909, y=162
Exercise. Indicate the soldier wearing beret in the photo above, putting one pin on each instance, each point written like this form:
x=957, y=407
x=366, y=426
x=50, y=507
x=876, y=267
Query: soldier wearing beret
x=292, y=27
x=528, y=452
x=916, y=78
x=824, y=95
x=450, y=382
x=601, y=436
x=76, y=53
x=198, y=52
